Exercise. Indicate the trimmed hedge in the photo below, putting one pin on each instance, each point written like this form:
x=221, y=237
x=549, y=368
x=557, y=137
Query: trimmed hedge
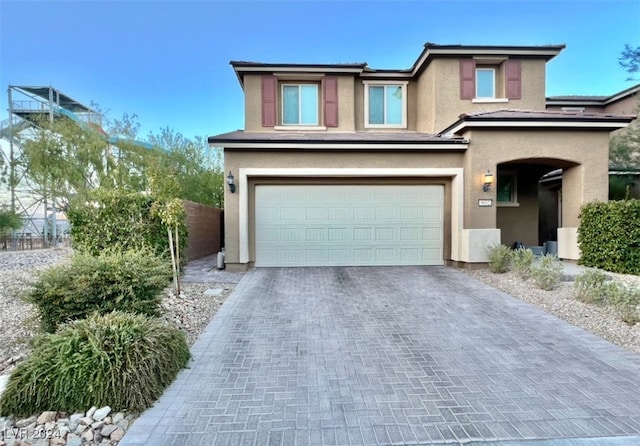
x=119, y=219
x=609, y=236
x=128, y=281
x=121, y=360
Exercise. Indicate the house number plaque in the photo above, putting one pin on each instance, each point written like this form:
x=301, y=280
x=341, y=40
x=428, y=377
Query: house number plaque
x=485, y=203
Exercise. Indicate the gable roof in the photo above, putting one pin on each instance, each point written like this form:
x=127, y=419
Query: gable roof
x=429, y=52
x=593, y=100
x=538, y=119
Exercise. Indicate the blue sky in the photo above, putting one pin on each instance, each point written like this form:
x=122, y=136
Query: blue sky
x=168, y=61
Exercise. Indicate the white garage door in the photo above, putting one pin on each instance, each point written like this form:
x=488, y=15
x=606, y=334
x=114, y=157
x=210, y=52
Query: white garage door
x=348, y=225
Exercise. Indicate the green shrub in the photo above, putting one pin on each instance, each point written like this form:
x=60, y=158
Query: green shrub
x=121, y=360
x=499, y=258
x=127, y=281
x=609, y=236
x=547, y=272
x=521, y=262
x=589, y=287
x=625, y=301
x=112, y=219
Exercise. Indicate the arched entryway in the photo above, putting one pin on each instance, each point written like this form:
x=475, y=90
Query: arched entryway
x=529, y=199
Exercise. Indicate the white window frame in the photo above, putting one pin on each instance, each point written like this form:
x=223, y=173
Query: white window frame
x=403, y=86
x=493, y=70
x=299, y=124
x=573, y=109
x=514, y=195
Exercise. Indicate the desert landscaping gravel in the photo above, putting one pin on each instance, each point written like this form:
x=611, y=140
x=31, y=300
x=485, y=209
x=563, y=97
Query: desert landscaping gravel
x=561, y=302
x=18, y=319
x=19, y=322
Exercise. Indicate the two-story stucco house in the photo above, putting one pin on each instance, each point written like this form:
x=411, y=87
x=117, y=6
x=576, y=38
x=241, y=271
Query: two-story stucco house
x=342, y=164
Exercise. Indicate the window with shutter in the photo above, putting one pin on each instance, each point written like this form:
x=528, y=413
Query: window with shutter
x=269, y=92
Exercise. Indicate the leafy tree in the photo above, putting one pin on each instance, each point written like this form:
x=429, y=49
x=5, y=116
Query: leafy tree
x=66, y=158
x=195, y=166
x=9, y=220
x=630, y=61
x=624, y=150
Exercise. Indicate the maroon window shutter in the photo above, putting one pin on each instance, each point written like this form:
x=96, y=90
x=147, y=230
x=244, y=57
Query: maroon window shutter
x=330, y=87
x=467, y=79
x=269, y=95
x=513, y=76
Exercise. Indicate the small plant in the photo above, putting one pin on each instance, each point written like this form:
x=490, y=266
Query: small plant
x=521, y=262
x=121, y=360
x=499, y=258
x=625, y=301
x=547, y=272
x=590, y=287
x=127, y=281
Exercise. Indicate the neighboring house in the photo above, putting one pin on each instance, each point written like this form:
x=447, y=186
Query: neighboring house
x=622, y=182
x=621, y=103
x=342, y=164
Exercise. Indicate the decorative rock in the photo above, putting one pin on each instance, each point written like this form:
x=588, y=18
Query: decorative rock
x=87, y=436
x=63, y=430
x=91, y=411
x=73, y=420
x=86, y=421
x=97, y=425
x=57, y=441
x=25, y=422
x=117, y=434
x=101, y=413
x=48, y=426
x=46, y=417
x=213, y=292
x=117, y=417
x=124, y=424
x=107, y=430
x=108, y=420
x=73, y=440
x=81, y=428
x=64, y=421
x=40, y=442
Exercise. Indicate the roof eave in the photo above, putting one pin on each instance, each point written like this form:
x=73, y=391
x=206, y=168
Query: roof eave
x=585, y=124
x=547, y=52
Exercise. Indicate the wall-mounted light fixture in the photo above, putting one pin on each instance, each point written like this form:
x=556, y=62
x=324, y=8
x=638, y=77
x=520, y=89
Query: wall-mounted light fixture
x=488, y=181
x=231, y=181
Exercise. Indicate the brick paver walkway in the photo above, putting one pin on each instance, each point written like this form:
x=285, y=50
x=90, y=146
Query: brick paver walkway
x=398, y=355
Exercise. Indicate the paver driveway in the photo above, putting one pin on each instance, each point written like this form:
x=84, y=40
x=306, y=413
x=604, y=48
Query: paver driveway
x=398, y=355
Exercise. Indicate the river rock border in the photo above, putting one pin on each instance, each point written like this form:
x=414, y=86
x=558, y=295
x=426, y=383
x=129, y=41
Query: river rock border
x=97, y=426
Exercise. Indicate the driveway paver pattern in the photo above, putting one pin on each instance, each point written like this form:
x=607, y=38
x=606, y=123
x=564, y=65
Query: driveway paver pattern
x=391, y=355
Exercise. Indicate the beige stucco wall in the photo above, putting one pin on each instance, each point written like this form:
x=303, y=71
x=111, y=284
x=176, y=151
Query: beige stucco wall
x=234, y=160
x=425, y=114
x=253, y=105
x=582, y=154
x=433, y=98
x=626, y=106
x=447, y=105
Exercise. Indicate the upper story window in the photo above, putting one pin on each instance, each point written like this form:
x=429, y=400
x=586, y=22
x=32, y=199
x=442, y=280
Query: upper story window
x=490, y=79
x=299, y=104
x=294, y=101
x=485, y=83
x=385, y=104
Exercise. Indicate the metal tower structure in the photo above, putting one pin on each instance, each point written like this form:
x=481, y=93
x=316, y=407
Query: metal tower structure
x=28, y=107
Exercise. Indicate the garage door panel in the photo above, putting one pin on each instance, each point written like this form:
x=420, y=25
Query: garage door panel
x=348, y=225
